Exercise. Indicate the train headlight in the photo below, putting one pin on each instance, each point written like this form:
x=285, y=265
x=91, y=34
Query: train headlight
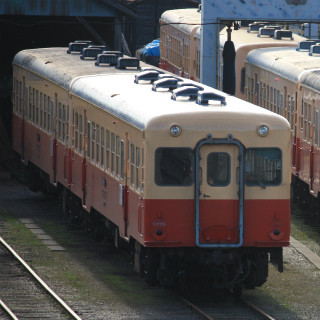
x=263, y=130
x=175, y=130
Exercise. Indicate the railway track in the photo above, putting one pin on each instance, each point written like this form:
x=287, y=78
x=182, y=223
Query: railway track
x=23, y=295
x=225, y=306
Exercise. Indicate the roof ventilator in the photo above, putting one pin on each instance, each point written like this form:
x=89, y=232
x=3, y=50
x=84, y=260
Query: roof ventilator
x=148, y=75
x=279, y=34
x=254, y=27
x=204, y=97
x=305, y=45
x=90, y=53
x=315, y=49
x=124, y=63
x=77, y=46
x=189, y=90
x=108, y=57
x=268, y=31
x=166, y=83
x=151, y=69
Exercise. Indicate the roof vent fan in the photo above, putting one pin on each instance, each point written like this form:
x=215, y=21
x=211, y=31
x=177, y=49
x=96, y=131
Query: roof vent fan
x=124, y=63
x=110, y=59
x=148, y=75
x=186, y=91
x=117, y=53
x=268, y=31
x=77, y=46
x=166, y=83
x=254, y=27
x=314, y=49
x=279, y=34
x=152, y=69
x=305, y=45
x=189, y=84
x=204, y=97
x=90, y=52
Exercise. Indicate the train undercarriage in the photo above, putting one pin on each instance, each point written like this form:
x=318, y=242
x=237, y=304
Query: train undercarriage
x=302, y=196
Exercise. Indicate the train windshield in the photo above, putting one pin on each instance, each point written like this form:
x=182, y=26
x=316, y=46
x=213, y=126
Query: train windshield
x=174, y=167
x=263, y=167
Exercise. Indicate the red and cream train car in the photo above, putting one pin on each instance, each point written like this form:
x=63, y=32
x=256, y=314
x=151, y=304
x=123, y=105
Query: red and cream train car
x=286, y=81
x=180, y=34
x=195, y=181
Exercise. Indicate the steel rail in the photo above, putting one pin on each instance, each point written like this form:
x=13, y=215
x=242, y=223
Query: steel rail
x=258, y=310
x=43, y=284
x=7, y=310
x=193, y=306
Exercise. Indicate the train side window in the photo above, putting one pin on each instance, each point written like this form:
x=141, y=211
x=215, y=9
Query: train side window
x=316, y=129
x=305, y=120
x=174, y=167
x=93, y=141
x=44, y=111
x=271, y=99
x=76, y=135
x=137, y=168
x=33, y=106
x=64, y=120
x=98, y=144
x=132, y=165
x=122, y=160
x=218, y=172
x=263, y=167
x=309, y=123
x=108, y=150
x=37, y=106
x=280, y=100
x=102, y=146
x=117, y=156
x=88, y=139
x=113, y=153
x=60, y=121
x=52, y=114
x=80, y=134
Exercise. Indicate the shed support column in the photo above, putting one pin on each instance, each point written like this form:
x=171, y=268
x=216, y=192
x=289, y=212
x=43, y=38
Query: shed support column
x=209, y=48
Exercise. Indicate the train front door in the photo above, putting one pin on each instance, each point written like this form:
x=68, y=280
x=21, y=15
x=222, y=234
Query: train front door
x=219, y=192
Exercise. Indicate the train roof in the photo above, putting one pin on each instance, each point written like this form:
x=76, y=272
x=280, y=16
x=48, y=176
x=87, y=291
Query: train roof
x=183, y=19
x=242, y=37
x=115, y=91
x=311, y=79
x=58, y=66
x=286, y=61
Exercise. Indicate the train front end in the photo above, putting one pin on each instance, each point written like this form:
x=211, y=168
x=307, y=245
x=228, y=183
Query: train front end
x=218, y=200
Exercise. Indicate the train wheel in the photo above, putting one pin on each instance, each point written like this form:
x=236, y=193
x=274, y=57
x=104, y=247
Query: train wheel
x=237, y=290
x=150, y=266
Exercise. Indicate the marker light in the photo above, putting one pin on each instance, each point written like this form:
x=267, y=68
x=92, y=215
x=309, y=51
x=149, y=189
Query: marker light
x=263, y=130
x=175, y=130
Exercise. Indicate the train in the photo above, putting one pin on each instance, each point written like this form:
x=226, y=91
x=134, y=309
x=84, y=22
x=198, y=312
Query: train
x=180, y=47
x=274, y=68
x=194, y=182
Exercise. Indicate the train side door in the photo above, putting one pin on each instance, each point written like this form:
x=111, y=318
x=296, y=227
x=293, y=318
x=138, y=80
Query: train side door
x=219, y=192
